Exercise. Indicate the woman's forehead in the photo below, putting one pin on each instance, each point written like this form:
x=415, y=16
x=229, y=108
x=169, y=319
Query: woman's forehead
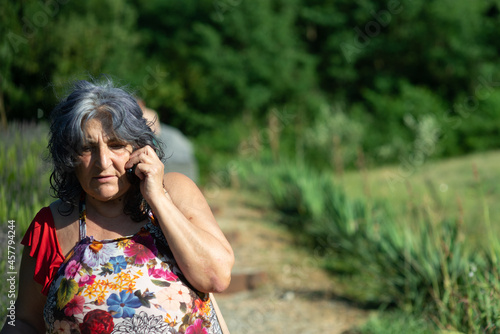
x=95, y=128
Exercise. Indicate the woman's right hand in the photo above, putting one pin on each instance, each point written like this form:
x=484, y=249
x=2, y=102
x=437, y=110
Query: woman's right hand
x=150, y=170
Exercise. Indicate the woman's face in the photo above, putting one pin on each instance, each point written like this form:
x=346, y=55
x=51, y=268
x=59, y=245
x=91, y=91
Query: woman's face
x=101, y=169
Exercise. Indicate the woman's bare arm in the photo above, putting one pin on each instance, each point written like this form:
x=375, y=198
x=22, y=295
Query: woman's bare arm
x=201, y=250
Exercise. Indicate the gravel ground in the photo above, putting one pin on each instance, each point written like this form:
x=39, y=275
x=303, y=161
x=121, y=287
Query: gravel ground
x=295, y=296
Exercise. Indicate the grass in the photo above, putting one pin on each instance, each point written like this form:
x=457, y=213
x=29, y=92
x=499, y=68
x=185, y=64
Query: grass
x=397, y=322
x=463, y=188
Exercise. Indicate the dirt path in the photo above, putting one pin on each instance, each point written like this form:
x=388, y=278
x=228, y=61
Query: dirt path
x=285, y=291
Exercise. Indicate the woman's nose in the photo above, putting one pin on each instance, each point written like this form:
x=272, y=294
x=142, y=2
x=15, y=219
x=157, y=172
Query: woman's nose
x=103, y=157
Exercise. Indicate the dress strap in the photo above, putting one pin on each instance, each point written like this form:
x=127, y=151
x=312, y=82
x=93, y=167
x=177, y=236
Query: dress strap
x=152, y=218
x=83, y=216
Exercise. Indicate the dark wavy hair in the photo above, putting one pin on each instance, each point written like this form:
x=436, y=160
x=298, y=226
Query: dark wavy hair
x=88, y=100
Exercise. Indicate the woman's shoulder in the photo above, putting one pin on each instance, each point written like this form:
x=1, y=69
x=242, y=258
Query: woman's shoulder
x=66, y=224
x=173, y=178
x=180, y=186
x=63, y=214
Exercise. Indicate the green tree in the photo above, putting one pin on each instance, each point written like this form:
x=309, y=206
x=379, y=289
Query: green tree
x=229, y=57
x=370, y=52
x=50, y=44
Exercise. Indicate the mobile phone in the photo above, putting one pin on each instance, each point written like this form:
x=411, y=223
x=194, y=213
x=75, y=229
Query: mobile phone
x=132, y=177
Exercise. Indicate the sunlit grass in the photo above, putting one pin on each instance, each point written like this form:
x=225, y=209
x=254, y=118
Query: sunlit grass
x=396, y=322
x=464, y=188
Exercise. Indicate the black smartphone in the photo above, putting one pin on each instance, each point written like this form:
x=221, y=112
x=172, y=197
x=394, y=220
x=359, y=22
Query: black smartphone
x=132, y=178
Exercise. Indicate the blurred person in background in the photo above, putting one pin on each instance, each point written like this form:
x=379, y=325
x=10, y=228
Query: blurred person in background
x=125, y=248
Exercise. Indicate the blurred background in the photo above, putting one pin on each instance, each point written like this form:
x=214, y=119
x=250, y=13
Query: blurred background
x=371, y=127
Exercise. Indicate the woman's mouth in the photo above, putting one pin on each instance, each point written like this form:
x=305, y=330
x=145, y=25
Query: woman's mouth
x=104, y=178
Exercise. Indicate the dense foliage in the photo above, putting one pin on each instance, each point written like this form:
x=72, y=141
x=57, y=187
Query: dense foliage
x=410, y=79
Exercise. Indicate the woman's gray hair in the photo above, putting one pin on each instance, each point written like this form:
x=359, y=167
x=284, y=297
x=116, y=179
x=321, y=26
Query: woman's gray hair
x=88, y=100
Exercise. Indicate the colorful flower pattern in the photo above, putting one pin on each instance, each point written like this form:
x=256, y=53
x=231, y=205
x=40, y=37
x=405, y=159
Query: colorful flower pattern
x=196, y=328
x=123, y=305
x=126, y=285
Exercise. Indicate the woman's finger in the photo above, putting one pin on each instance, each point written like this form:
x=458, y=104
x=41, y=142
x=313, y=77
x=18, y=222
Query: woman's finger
x=142, y=155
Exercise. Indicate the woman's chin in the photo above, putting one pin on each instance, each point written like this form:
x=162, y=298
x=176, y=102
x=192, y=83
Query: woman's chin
x=105, y=194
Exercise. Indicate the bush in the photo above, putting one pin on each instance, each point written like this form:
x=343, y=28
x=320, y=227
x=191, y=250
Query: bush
x=334, y=139
x=412, y=119
x=474, y=114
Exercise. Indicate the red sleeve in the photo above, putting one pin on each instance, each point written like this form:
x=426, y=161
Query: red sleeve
x=42, y=239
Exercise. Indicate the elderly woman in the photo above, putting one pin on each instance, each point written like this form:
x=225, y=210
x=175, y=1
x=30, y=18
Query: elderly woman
x=125, y=248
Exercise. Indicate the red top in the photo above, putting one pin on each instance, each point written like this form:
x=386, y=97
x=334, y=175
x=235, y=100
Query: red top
x=42, y=239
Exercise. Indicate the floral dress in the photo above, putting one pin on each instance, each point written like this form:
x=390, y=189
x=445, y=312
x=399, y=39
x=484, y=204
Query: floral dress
x=126, y=285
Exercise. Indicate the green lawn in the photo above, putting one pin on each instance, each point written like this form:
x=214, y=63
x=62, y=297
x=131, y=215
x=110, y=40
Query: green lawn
x=464, y=187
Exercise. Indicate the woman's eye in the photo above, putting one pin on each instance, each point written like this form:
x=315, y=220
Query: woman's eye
x=86, y=150
x=116, y=146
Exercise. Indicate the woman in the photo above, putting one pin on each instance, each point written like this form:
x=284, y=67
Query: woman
x=125, y=248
